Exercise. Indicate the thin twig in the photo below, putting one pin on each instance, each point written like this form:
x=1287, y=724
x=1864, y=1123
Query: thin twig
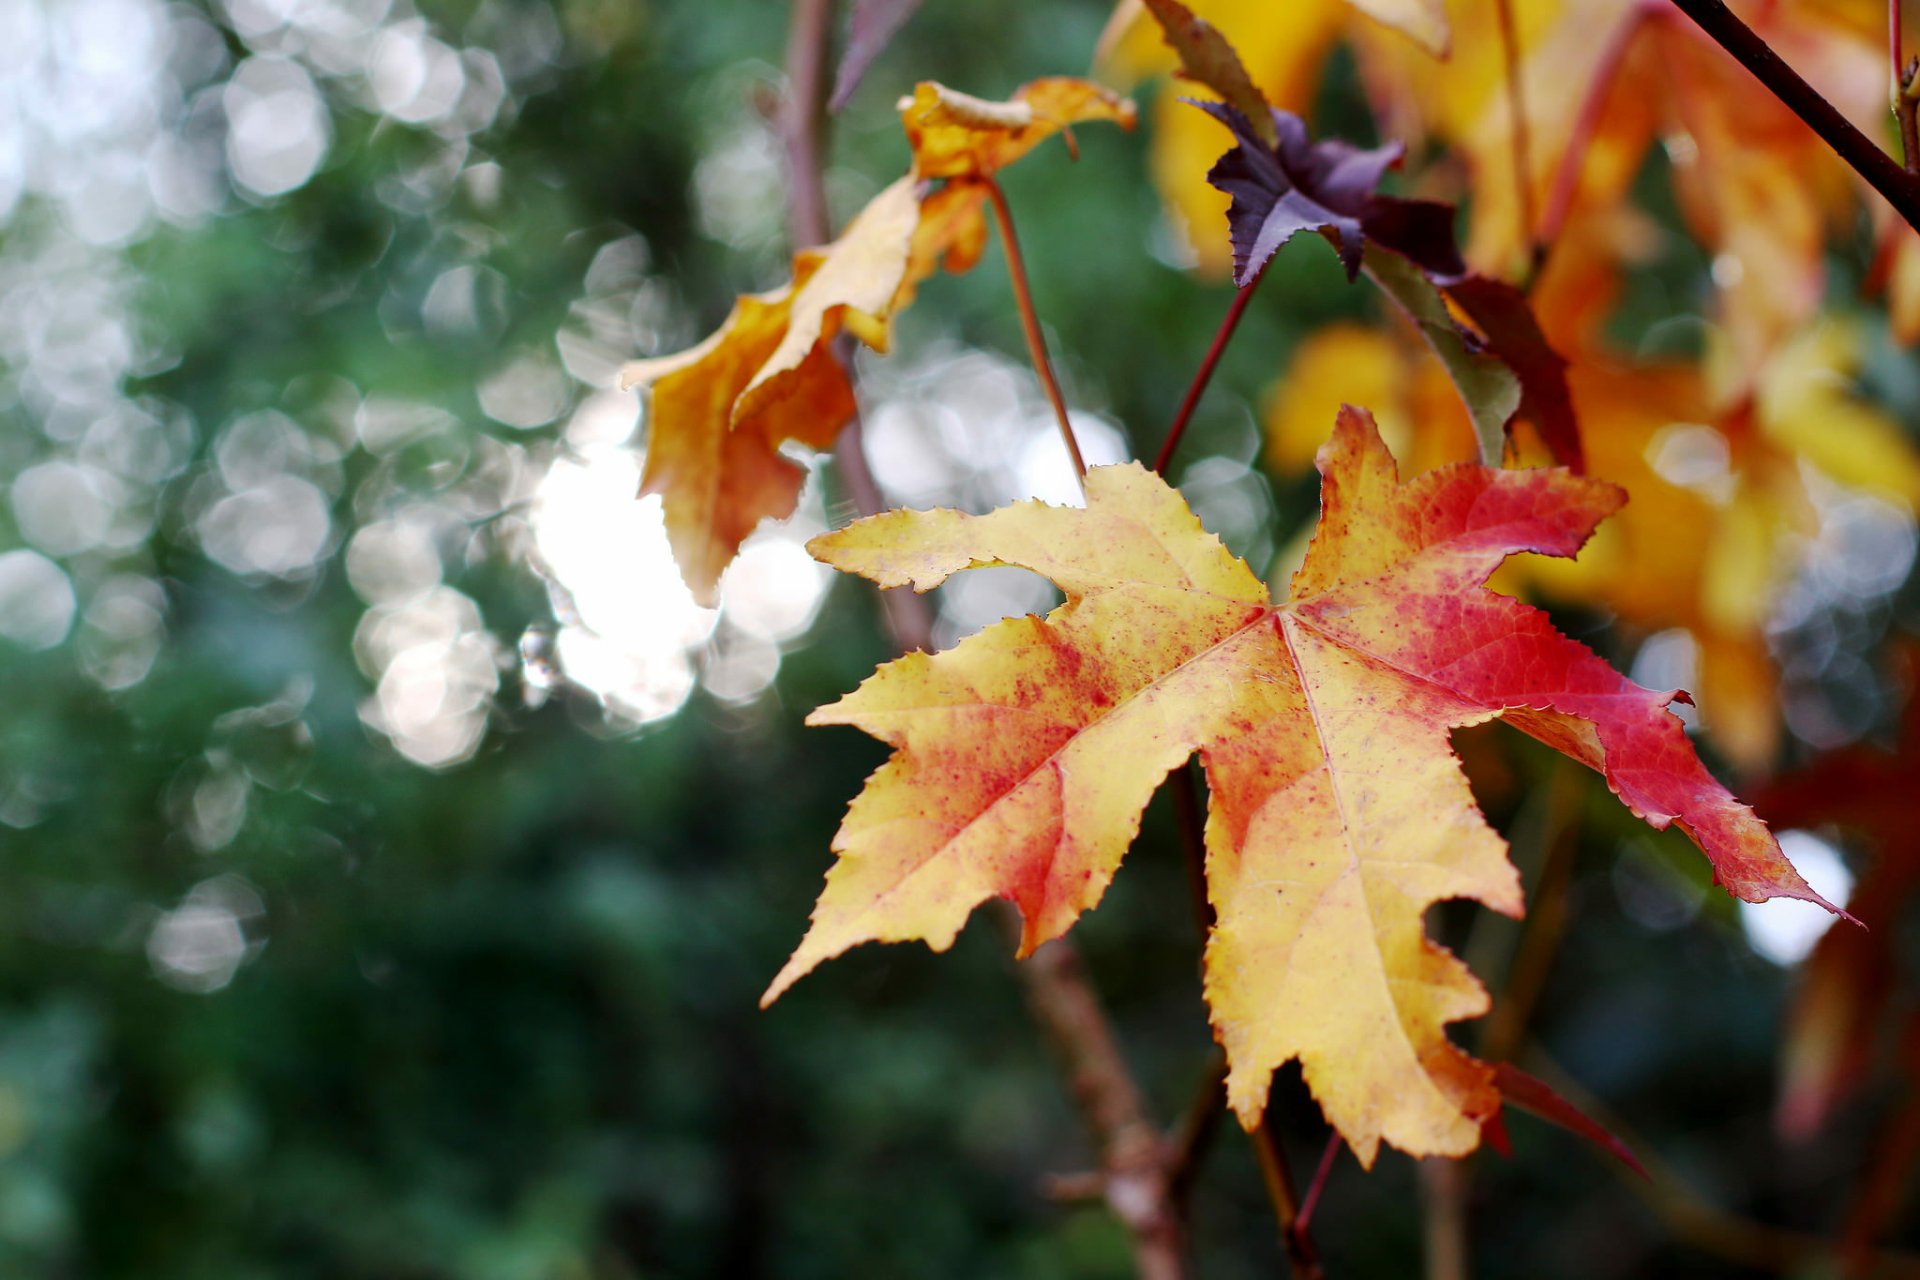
x=1517, y=131
x=1030, y=325
x=1133, y=1156
x=1311, y=1200
x=1443, y=1219
x=1195, y=1138
x=1694, y=1220
x=1862, y=154
x=1205, y=374
x=1904, y=102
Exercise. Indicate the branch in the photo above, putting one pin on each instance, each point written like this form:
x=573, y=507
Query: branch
x=1904, y=102
x=804, y=123
x=1133, y=1156
x=1881, y=171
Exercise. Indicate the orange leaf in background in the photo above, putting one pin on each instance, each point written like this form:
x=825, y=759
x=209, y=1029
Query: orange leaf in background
x=1338, y=812
x=1845, y=995
x=956, y=135
x=1719, y=502
x=1755, y=185
x=719, y=413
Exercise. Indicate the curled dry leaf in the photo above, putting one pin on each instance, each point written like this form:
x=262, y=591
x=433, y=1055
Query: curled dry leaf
x=956, y=135
x=1338, y=812
x=718, y=414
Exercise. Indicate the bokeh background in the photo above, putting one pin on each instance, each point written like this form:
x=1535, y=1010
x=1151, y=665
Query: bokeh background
x=392, y=854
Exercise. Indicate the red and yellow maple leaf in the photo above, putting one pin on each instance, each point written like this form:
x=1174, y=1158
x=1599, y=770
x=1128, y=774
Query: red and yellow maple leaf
x=1719, y=498
x=1338, y=813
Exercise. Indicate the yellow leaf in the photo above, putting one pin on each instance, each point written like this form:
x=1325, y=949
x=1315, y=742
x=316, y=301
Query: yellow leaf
x=1338, y=813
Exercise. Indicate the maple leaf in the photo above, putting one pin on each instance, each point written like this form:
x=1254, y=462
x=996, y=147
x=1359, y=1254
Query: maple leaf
x=1278, y=190
x=1338, y=813
x=719, y=413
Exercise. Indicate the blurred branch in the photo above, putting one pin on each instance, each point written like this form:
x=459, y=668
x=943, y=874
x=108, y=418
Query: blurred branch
x=1443, y=1218
x=1705, y=1226
x=804, y=123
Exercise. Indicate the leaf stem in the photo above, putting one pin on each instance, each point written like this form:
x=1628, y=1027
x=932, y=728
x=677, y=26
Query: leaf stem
x=1309, y=1201
x=1517, y=133
x=1882, y=172
x=1302, y=1259
x=1030, y=325
x=1204, y=375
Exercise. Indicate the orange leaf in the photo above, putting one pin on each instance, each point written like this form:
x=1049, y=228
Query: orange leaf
x=956, y=135
x=718, y=414
x=1338, y=813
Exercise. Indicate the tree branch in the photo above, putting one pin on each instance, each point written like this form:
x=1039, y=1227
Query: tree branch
x=1133, y=1156
x=1881, y=171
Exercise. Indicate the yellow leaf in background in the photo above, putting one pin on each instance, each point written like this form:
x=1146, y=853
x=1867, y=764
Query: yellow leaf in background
x=1418, y=411
x=956, y=135
x=1755, y=186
